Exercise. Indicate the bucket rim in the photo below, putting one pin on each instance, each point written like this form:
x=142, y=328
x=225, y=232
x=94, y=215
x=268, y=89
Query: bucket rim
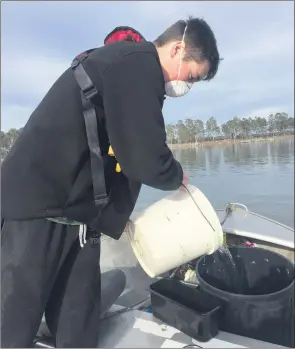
x=247, y=297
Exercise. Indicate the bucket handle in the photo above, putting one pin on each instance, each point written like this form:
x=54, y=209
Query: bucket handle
x=190, y=194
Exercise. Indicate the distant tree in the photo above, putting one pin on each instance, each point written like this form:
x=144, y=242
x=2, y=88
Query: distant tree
x=190, y=126
x=212, y=129
x=281, y=121
x=6, y=141
x=199, y=129
x=261, y=124
x=182, y=132
x=170, y=131
x=245, y=127
x=290, y=124
x=234, y=127
x=226, y=130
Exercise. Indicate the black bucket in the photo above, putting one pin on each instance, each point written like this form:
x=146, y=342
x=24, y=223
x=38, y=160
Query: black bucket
x=257, y=294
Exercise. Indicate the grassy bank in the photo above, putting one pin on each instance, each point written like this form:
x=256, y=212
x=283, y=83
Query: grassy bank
x=228, y=142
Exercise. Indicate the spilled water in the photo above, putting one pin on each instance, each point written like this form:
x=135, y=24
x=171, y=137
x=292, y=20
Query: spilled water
x=229, y=268
x=225, y=251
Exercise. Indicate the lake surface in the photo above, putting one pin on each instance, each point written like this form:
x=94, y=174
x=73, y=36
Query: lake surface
x=259, y=175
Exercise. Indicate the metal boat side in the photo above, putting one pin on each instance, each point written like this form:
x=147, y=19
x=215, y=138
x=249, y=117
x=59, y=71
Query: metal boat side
x=254, y=226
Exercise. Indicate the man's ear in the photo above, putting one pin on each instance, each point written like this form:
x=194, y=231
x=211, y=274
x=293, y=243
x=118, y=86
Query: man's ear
x=175, y=48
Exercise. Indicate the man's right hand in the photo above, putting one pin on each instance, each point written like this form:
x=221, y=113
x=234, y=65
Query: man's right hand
x=185, y=180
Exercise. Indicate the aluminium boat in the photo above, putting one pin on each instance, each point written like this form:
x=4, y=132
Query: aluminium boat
x=127, y=320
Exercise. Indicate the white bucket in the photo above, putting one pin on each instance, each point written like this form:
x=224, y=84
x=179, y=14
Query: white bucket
x=174, y=231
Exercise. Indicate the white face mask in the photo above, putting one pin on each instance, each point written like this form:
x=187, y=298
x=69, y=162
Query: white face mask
x=178, y=88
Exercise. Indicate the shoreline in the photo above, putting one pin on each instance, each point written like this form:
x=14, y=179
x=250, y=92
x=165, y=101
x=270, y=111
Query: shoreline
x=225, y=142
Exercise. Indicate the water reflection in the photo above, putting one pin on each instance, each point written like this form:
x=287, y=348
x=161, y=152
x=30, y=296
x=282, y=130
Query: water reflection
x=215, y=158
x=246, y=154
x=240, y=154
x=282, y=153
x=200, y=159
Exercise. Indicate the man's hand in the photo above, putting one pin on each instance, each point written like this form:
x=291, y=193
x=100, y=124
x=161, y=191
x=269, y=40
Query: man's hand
x=185, y=180
x=127, y=226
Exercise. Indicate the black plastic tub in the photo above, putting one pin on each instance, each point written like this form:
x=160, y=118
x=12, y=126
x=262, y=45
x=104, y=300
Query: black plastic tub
x=257, y=294
x=185, y=308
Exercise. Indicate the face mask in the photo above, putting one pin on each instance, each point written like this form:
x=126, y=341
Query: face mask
x=178, y=88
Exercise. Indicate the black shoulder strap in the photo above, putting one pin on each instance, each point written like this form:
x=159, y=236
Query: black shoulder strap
x=88, y=90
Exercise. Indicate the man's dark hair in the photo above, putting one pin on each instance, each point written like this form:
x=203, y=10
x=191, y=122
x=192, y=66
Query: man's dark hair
x=199, y=39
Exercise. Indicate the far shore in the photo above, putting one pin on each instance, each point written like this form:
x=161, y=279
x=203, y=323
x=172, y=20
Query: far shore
x=228, y=142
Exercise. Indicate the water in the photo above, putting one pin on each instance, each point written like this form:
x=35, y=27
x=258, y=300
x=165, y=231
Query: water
x=226, y=261
x=259, y=175
x=225, y=251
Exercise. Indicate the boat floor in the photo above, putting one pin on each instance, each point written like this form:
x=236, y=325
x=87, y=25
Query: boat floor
x=139, y=329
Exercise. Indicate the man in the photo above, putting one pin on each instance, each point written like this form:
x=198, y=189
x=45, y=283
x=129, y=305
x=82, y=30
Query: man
x=50, y=176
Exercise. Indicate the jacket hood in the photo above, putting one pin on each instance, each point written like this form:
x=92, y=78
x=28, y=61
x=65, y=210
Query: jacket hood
x=123, y=33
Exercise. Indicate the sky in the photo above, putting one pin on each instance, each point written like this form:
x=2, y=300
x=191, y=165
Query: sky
x=256, y=40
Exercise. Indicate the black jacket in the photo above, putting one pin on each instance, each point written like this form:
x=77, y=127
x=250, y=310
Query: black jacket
x=47, y=172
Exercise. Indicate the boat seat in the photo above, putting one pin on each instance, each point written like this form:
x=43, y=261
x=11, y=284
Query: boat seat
x=113, y=283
